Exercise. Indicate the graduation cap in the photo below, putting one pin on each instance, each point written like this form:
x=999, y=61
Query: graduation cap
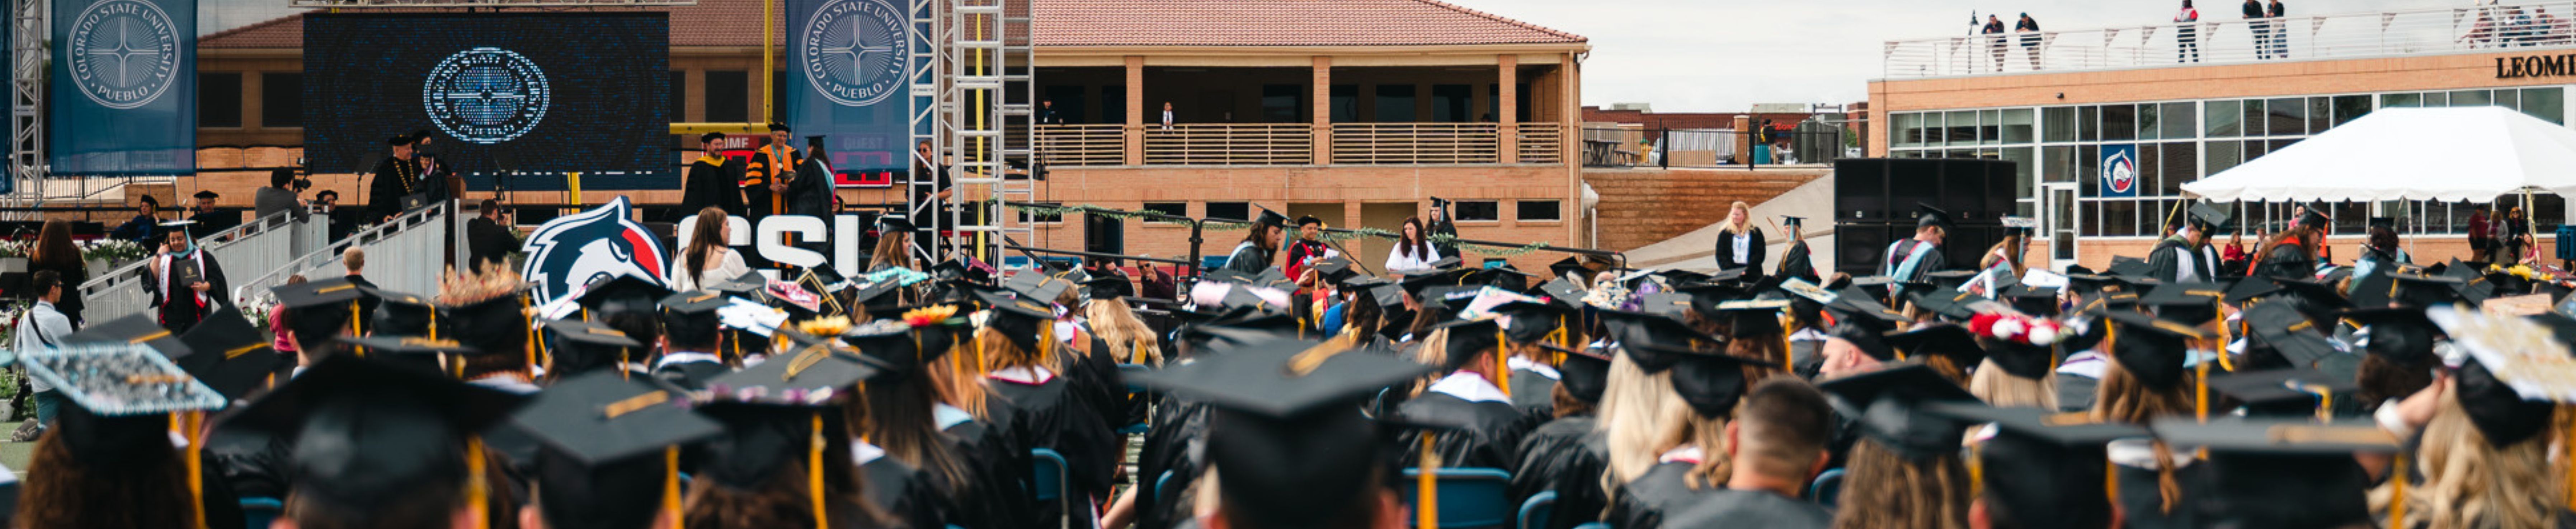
x=1584, y=373
x=1753, y=318
x=1532, y=321
x=1711, y=382
x=1450, y=263
x=1388, y=295
x=2422, y=291
x=1887, y=405
x=1865, y=328
x=2029, y=300
x=2515, y=373
x=1950, y=280
x=2042, y=467
x=1564, y=292
x=894, y=223
x=1792, y=222
x=2284, y=332
x=584, y=346
x=2018, y=358
x=2249, y=289
x=622, y=293
x=2131, y=269
x=318, y=311
x=1467, y=338
x=610, y=456
x=2313, y=219
x=1018, y=318
x=1334, y=269
x=689, y=319
x=1107, y=287
x=808, y=374
x=1570, y=267
x=1504, y=277
x=2088, y=284
x=2384, y=223
x=2315, y=298
x=228, y=354
x=1926, y=215
x=497, y=324
x=2150, y=349
x=138, y=329
x=2189, y=303
x=2207, y=216
x=1285, y=434
x=2281, y=473
x=2403, y=335
x=1942, y=339
x=1635, y=330
x=1950, y=305
x=367, y=435
x=207, y=194
x=2281, y=392
x=400, y=314
x=1667, y=304
x=121, y=394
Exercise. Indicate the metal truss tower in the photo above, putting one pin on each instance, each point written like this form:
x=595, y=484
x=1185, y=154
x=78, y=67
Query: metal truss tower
x=974, y=66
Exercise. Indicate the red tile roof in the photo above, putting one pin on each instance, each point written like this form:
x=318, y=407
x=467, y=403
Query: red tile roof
x=1112, y=23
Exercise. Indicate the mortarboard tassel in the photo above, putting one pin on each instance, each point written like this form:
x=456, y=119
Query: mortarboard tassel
x=814, y=474
x=1502, y=363
x=1788, y=329
x=1976, y=469
x=2111, y=481
x=671, y=486
x=355, y=329
x=530, y=350
x=2200, y=390
x=477, y=492
x=191, y=423
x=2325, y=402
x=1426, y=490
x=2224, y=331
x=2397, y=492
x=2568, y=441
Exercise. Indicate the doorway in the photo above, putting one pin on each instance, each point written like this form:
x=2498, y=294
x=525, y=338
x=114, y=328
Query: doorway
x=2057, y=215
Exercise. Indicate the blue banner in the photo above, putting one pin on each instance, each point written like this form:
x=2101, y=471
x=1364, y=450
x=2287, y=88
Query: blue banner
x=849, y=84
x=124, y=97
x=2119, y=171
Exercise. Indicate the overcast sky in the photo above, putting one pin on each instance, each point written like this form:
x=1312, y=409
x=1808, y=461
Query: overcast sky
x=1726, y=55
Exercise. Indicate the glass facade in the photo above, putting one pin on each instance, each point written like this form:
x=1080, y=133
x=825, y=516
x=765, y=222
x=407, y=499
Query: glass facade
x=2061, y=148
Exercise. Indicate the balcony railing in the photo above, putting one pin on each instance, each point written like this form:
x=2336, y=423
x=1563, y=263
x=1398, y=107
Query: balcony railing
x=2237, y=41
x=1295, y=144
x=1230, y=144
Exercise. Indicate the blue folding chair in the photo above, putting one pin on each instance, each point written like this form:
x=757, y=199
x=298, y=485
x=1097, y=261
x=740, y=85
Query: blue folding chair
x=1161, y=496
x=1128, y=372
x=1536, y=511
x=1470, y=498
x=1050, y=479
x=1593, y=525
x=260, y=512
x=1827, y=490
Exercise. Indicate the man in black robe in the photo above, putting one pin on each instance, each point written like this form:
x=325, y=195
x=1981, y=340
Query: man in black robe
x=1779, y=447
x=1492, y=428
x=1798, y=261
x=1253, y=254
x=1914, y=260
x=208, y=220
x=712, y=180
x=396, y=176
x=2187, y=256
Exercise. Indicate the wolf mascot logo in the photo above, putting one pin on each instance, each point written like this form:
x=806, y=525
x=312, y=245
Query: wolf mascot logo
x=601, y=243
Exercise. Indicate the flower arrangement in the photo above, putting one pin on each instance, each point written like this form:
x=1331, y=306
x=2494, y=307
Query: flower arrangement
x=2015, y=328
x=14, y=249
x=114, y=251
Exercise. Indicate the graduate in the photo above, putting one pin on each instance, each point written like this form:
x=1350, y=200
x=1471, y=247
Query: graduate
x=2019, y=361
x=2145, y=381
x=1777, y=447
x=1532, y=373
x=1915, y=259
x=1025, y=366
x=485, y=311
x=1709, y=384
x=611, y=456
x=1286, y=447
x=1566, y=455
x=2291, y=474
x=1906, y=470
x=783, y=462
x=2484, y=454
x=2187, y=256
x=1470, y=355
x=1797, y=262
x=2037, y=469
x=913, y=472
x=375, y=445
x=691, y=333
x=111, y=460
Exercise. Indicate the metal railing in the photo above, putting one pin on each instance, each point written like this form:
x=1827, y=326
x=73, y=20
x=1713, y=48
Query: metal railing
x=256, y=246
x=2236, y=41
x=1082, y=145
x=406, y=254
x=1810, y=144
x=1541, y=142
x=1412, y=143
x=1230, y=144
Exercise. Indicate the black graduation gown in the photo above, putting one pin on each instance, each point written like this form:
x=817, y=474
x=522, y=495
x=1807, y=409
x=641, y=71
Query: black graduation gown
x=1642, y=503
x=394, y=177
x=692, y=375
x=2142, y=504
x=1798, y=262
x=216, y=500
x=1248, y=258
x=756, y=198
x=183, y=313
x=1056, y=415
x=1747, y=508
x=1725, y=256
x=2166, y=263
x=811, y=193
x=1567, y=457
x=1932, y=262
x=999, y=467
x=905, y=493
x=1170, y=448
x=2075, y=392
x=1534, y=394
x=2287, y=261
x=712, y=184
x=1491, y=437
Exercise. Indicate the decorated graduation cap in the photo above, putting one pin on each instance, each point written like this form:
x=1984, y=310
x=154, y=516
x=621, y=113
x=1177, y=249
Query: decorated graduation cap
x=121, y=393
x=2281, y=473
x=367, y=435
x=1887, y=404
x=400, y=313
x=1925, y=215
x=2515, y=373
x=1942, y=339
x=1753, y=318
x=1571, y=266
x=2043, y=468
x=610, y=458
x=1635, y=330
x=1711, y=382
x=137, y=329
x=1584, y=372
x=2401, y=335
x=2189, y=303
x=319, y=311
x=2021, y=346
x=2150, y=349
x=1285, y=436
x=2282, y=392
x=584, y=346
x=228, y=354
x=1018, y=318
x=622, y=293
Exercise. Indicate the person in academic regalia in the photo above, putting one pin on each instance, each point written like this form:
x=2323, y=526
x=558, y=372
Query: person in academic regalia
x=810, y=193
x=2039, y=470
x=1025, y=366
x=764, y=182
x=111, y=459
x=2292, y=253
x=397, y=176
x=2187, y=256
x=2398, y=358
x=187, y=283
x=914, y=473
x=1905, y=471
x=714, y=179
x=2145, y=381
x=145, y=227
x=1692, y=466
x=785, y=460
x=207, y=220
x=2005, y=258
x=375, y=445
x=2485, y=452
x=1286, y=447
x=1778, y=447
x=1797, y=261
x=1467, y=394
x=1254, y=253
x=1531, y=372
x=691, y=332
x=2379, y=251
x=2016, y=370
x=1567, y=455
x=1914, y=260
x=611, y=458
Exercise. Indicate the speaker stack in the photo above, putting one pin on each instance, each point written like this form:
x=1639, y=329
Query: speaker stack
x=1875, y=202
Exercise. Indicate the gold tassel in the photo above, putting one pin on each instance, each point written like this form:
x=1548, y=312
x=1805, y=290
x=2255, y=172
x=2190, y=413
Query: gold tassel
x=2220, y=308
x=1976, y=469
x=671, y=487
x=2325, y=402
x=530, y=350
x=1426, y=491
x=2111, y=481
x=2200, y=391
x=1502, y=363
x=1788, y=329
x=814, y=474
x=477, y=492
x=193, y=422
x=355, y=329
x=2397, y=491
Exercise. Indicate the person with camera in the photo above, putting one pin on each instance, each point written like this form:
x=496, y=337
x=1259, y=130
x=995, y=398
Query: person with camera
x=280, y=195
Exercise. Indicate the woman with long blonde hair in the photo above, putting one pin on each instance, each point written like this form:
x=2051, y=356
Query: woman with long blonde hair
x=2487, y=470
x=1904, y=471
x=2146, y=381
x=1739, y=244
x=1023, y=365
x=1691, y=446
x=2015, y=373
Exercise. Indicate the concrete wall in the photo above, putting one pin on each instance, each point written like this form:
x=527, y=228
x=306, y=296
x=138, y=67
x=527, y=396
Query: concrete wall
x=1644, y=206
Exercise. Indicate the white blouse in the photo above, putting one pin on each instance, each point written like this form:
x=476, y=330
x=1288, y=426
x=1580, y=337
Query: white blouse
x=728, y=266
x=1397, y=262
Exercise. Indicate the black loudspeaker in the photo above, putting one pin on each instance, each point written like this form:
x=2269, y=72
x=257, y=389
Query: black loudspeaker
x=1886, y=190
x=1860, y=189
x=1858, y=247
x=1104, y=234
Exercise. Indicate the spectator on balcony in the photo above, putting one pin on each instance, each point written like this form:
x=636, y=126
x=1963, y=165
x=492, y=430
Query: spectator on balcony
x=1167, y=115
x=2280, y=30
x=2187, y=34
x=1994, y=32
x=1740, y=244
x=1047, y=114
x=144, y=226
x=2029, y=28
x=278, y=196
x=1413, y=252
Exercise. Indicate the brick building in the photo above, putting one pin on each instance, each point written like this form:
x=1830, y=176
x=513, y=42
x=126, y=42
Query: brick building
x=1354, y=111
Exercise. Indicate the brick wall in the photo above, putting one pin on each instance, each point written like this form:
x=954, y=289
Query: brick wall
x=1644, y=206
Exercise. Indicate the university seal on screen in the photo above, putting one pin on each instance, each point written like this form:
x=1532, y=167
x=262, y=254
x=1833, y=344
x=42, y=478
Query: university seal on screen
x=853, y=51
x=486, y=95
x=124, y=53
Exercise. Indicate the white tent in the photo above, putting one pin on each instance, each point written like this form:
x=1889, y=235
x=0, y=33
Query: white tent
x=2447, y=154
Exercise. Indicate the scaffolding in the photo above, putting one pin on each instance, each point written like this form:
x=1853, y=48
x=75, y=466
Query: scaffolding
x=975, y=64
x=27, y=32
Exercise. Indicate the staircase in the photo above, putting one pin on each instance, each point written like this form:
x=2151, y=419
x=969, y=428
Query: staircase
x=254, y=247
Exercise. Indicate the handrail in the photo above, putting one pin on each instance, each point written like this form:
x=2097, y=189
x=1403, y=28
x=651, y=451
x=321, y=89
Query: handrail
x=1082, y=145
x=2549, y=24
x=121, y=291
x=409, y=273
x=1230, y=144
x=1416, y=143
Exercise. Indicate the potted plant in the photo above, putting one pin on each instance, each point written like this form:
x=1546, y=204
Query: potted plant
x=13, y=257
x=106, y=255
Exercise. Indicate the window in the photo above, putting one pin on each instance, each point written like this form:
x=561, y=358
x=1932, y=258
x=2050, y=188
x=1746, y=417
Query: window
x=2059, y=165
x=2320, y=114
x=2088, y=127
x=219, y=99
x=2348, y=107
x=1990, y=127
x=1229, y=210
x=728, y=97
x=1540, y=211
x=2178, y=122
x=2058, y=124
x=2548, y=104
x=1346, y=103
x=2472, y=98
x=2223, y=155
x=1279, y=103
x=1909, y=130
x=2150, y=122
x=1962, y=129
x=2401, y=101
x=2119, y=122
x=1480, y=210
x=679, y=96
x=281, y=99
x=1450, y=103
x=1176, y=209
x=1394, y=103
x=2223, y=119
x=2179, y=161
